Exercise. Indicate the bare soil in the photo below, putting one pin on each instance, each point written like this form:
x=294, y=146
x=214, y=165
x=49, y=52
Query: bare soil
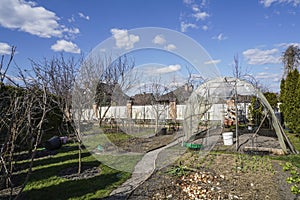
x=142, y=144
x=222, y=176
x=87, y=172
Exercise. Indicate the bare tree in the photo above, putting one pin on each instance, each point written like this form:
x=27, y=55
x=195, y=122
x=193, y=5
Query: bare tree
x=38, y=103
x=159, y=104
x=291, y=59
x=4, y=68
x=237, y=75
x=193, y=77
x=82, y=102
x=111, y=79
x=22, y=117
x=58, y=75
x=244, y=73
x=237, y=68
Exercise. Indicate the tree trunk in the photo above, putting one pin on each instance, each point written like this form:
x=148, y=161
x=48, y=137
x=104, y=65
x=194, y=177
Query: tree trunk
x=79, y=157
x=102, y=117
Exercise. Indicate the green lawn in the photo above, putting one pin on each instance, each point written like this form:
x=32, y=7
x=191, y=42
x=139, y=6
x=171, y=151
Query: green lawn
x=45, y=183
x=294, y=159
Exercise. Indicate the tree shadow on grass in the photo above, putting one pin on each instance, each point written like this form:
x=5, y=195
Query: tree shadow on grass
x=76, y=188
x=50, y=160
x=22, y=156
x=51, y=171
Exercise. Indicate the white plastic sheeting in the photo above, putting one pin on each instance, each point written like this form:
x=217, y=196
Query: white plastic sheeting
x=216, y=92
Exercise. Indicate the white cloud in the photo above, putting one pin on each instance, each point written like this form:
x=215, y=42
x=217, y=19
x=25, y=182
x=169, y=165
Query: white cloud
x=123, y=39
x=205, y=27
x=27, y=17
x=184, y=26
x=63, y=45
x=195, y=8
x=260, y=57
x=4, y=48
x=159, y=39
x=32, y=3
x=81, y=15
x=168, y=69
x=72, y=19
x=203, y=3
x=265, y=75
x=72, y=30
x=170, y=47
x=268, y=3
x=220, y=37
x=286, y=45
x=189, y=2
x=200, y=15
x=212, y=62
x=197, y=12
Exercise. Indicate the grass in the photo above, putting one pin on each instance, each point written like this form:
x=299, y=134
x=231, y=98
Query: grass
x=44, y=183
x=118, y=137
x=293, y=158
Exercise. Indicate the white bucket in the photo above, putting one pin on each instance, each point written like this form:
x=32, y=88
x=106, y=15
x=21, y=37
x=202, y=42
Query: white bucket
x=228, y=138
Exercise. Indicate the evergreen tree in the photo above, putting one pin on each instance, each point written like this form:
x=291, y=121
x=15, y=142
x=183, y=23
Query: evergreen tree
x=282, y=95
x=289, y=88
x=272, y=99
x=290, y=107
x=297, y=106
x=255, y=111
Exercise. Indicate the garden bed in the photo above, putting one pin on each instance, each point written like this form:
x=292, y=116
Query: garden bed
x=222, y=176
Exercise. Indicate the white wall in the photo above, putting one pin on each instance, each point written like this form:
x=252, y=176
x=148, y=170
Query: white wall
x=216, y=112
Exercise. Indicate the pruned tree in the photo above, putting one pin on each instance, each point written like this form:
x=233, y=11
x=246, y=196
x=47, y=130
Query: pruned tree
x=111, y=80
x=158, y=104
x=58, y=74
x=23, y=111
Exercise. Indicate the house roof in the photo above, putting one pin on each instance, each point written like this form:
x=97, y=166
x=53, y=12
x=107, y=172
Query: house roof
x=107, y=94
x=143, y=99
x=181, y=94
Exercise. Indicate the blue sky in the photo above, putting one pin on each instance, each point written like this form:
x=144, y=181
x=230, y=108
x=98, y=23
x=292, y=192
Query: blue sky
x=257, y=31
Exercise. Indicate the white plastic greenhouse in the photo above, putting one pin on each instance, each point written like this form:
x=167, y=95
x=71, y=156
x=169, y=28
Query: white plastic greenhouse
x=217, y=102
